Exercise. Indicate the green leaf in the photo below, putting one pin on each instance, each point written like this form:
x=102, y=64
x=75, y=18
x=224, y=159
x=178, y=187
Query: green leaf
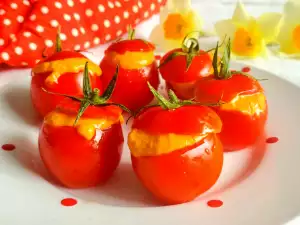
x=58, y=47
x=84, y=105
x=215, y=62
x=111, y=86
x=171, y=57
x=64, y=95
x=162, y=101
x=87, y=89
x=173, y=97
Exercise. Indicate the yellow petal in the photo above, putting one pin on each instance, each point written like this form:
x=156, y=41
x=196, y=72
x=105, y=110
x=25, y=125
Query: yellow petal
x=285, y=38
x=240, y=14
x=225, y=28
x=291, y=11
x=180, y=5
x=248, y=40
x=269, y=25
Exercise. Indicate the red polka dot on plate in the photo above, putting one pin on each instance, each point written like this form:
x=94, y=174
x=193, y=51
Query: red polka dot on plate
x=272, y=140
x=8, y=147
x=68, y=202
x=215, y=203
x=246, y=69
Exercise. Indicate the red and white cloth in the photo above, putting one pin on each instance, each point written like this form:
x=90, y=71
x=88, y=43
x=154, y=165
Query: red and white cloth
x=28, y=27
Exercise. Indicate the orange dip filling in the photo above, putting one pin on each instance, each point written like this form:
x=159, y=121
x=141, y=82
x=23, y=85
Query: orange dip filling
x=59, y=67
x=132, y=60
x=86, y=127
x=143, y=144
x=254, y=104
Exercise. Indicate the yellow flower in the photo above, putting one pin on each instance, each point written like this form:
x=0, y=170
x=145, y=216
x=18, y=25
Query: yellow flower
x=249, y=35
x=177, y=20
x=289, y=35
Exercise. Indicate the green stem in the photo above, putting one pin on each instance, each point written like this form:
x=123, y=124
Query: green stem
x=58, y=47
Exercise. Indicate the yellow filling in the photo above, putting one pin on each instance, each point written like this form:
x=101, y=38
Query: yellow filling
x=59, y=67
x=248, y=104
x=247, y=42
x=296, y=36
x=85, y=127
x=143, y=144
x=132, y=60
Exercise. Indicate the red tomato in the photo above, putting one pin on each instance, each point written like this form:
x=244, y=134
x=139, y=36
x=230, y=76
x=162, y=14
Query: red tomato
x=67, y=67
x=176, y=153
x=244, y=113
x=73, y=159
x=137, y=66
x=180, y=79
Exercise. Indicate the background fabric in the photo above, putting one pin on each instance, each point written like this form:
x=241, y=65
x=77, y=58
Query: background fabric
x=29, y=27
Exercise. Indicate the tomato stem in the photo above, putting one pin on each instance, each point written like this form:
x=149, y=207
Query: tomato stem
x=221, y=69
x=131, y=33
x=58, y=47
x=93, y=97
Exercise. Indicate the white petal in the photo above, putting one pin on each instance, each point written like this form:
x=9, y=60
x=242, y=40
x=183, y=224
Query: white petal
x=285, y=38
x=240, y=14
x=269, y=25
x=156, y=35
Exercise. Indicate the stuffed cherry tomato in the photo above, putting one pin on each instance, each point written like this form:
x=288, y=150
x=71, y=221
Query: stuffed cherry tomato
x=137, y=66
x=175, y=150
x=244, y=112
x=181, y=68
x=61, y=73
x=81, y=141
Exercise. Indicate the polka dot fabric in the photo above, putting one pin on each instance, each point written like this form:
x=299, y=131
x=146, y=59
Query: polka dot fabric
x=28, y=27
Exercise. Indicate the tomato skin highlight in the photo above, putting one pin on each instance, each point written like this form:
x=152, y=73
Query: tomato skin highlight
x=131, y=88
x=68, y=83
x=75, y=161
x=182, y=175
x=240, y=130
x=180, y=80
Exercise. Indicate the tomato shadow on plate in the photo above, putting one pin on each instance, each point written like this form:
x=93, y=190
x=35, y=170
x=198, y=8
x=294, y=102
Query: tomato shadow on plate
x=247, y=162
x=27, y=156
x=19, y=102
x=122, y=190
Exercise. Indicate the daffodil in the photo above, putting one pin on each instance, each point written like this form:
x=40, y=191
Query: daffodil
x=289, y=35
x=177, y=20
x=249, y=35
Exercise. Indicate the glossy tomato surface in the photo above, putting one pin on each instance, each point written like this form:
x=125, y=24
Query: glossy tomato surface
x=180, y=80
x=241, y=128
x=68, y=83
x=183, y=174
x=131, y=89
x=75, y=161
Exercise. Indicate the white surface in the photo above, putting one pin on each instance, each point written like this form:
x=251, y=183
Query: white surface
x=268, y=195
x=258, y=186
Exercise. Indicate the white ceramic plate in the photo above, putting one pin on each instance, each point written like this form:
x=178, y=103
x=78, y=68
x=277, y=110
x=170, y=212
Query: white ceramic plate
x=258, y=186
